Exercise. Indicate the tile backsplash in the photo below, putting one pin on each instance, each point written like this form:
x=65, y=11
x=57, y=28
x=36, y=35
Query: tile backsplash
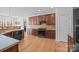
x=49, y=27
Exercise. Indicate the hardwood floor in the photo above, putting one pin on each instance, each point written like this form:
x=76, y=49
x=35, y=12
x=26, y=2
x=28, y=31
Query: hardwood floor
x=35, y=44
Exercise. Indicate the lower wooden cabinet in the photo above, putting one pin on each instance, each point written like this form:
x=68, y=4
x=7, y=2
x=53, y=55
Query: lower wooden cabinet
x=35, y=32
x=9, y=34
x=14, y=48
x=19, y=35
x=50, y=34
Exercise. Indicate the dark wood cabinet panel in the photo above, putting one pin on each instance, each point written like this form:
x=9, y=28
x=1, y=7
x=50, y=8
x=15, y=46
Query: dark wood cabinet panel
x=53, y=19
x=10, y=34
x=32, y=32
x=49, y=18
x=43, y=18
x=50, y=34
x=53, y=34
x=35, y=20
x=35, y=32
x=30, y=21
x=14, y=48
x=19, y=35
x=38, y=19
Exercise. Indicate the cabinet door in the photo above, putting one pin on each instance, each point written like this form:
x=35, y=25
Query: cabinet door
x=53, y=19
x=53, y=34
x=37, y=20
x=34, y=32
x=40, y=18
x=48, y=19
x=33, y=20
x=8, y=34
x=47, y=34
x=50, y=34
x=43, y=18
x=30, y=22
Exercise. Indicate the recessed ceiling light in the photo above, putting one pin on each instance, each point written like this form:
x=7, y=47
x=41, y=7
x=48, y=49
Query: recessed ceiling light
x=39, y=10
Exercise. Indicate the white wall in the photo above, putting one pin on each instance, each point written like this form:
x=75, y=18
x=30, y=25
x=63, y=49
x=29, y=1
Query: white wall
x=64, y=23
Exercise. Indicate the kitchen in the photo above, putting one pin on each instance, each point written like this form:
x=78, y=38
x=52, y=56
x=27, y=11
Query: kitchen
x=34, y=29
x=42, y=25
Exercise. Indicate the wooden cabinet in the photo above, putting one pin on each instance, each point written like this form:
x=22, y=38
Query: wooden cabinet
x=19, y=34
x=53, y=19
x=35, y=32
x=9, y=34
x=53, y=34
x=30, y=20
x=35, y=20
x=50, y=34
x=49, y=18
x=32, y=32
x=43, y=18
x=14, y=48
x=38, y=19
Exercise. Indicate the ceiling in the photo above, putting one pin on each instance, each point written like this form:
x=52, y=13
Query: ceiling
x=25, y=11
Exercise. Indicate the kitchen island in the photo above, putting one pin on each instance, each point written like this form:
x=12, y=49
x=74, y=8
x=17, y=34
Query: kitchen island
x=8, y=44
x=9, y=39
x=14, y=33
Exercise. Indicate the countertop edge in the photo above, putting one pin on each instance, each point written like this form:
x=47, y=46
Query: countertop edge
x=5, y=48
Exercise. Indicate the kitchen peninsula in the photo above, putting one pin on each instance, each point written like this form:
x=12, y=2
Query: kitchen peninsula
x=9, y=39
x=8, y=44
x=11, y=32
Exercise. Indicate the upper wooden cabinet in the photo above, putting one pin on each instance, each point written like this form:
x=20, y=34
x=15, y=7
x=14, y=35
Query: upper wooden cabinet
x=49, y=18
x=30, y=21
x=40, y=18
x=53, y=19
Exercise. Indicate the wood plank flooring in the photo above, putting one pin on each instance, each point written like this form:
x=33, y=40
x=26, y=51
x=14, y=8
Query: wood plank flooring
x=35, y=44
